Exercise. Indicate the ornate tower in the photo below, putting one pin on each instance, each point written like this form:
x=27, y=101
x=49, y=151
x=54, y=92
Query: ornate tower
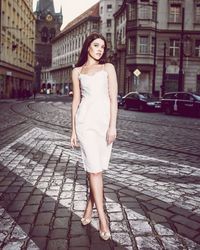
x=48, y=24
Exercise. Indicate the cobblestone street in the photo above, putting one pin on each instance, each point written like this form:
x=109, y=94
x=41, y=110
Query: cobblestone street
x=152, y=189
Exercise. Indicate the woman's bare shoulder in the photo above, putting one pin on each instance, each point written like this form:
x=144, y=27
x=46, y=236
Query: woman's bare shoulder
x=77, y=70
x=109, y=67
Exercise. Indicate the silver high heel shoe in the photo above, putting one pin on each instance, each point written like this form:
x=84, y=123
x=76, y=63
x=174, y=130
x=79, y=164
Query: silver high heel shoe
x=85, y=221
x=105, y=235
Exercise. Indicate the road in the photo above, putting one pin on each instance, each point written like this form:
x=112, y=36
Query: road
x=152, y=188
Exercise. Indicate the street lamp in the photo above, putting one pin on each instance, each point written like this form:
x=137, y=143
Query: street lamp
x=180, y=75
x=164, y=72
x=155, y=53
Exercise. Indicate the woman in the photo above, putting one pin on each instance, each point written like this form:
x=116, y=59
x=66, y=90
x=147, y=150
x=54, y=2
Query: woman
x=94, y=112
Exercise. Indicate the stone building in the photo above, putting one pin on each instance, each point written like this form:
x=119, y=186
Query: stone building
x=66, y=48
x=107, y=22
x=17, y=34
x=152, y=28
x=48, y=24
x=67, y=45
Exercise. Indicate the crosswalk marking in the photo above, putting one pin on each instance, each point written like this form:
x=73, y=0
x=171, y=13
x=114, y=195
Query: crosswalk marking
x=52, y=141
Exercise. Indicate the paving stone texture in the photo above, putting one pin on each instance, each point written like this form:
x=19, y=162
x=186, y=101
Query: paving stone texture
x=152, y=188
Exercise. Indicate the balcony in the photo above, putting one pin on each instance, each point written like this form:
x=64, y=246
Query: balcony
x=140, y=59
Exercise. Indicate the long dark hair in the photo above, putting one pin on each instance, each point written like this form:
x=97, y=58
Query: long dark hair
x=84, y=52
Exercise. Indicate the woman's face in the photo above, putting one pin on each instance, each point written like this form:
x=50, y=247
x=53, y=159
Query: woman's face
x=96, y=49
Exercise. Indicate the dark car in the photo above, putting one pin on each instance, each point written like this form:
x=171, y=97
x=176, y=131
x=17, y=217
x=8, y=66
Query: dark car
x=119, y=99
x=141, y=101
x=181, y=102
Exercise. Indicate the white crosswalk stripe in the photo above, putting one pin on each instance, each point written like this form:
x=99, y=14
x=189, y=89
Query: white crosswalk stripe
x=133, y=170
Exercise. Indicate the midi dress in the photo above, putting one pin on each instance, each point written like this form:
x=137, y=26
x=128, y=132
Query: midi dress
x=92, y=121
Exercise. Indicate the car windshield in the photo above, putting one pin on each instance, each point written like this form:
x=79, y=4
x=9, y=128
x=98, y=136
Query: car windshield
x=145, y=95
x=197, y=96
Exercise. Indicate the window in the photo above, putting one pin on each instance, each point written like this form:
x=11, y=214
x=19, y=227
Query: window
x=154, y=12
x=198, y=84
x=44, y=35
x=197, y=12
x=143, y=44
x=52, y=33
x=153, y=40
x=108, y=37
x=144, y=11
x=109, y=22
x=197, y=48
x=131, y=45
x=174, y=47
x=175, y=13
x=95, y=25
x=131, y=11
x=109, y=7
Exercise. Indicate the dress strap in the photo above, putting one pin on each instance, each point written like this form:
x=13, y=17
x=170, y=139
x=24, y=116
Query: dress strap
x=79, y=71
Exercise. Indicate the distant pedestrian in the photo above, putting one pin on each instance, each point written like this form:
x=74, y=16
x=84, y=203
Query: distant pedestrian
x=94, y=111
x=34, y=93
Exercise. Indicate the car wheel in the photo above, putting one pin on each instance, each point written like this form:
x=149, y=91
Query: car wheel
x=141, y=108
x=126, y=106
x=168, y=111
x=198, y=113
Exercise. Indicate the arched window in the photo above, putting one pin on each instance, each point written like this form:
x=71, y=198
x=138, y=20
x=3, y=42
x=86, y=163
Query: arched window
x=52, y=33
x=44, y=35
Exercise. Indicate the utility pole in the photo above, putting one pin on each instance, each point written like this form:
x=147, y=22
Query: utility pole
x=180, y=76
x=154, y=56
x=0, y=28
x=164, y=72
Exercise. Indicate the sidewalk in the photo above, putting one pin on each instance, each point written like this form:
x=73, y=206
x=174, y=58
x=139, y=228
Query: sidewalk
x=38, y=97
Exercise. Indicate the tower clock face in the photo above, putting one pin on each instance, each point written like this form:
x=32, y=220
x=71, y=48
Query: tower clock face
x=49, y=18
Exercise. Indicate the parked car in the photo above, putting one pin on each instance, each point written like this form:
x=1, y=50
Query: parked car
x=119, y=99
x=142, y=101
x=181, y=102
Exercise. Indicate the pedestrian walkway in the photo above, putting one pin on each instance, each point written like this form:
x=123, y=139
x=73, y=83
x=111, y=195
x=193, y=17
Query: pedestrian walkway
x=151, y=203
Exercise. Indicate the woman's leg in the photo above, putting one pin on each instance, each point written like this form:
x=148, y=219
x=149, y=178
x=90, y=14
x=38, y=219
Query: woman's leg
x=89, y=207
x=96, y=186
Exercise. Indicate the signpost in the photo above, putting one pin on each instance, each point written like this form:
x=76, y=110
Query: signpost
x=136, y=72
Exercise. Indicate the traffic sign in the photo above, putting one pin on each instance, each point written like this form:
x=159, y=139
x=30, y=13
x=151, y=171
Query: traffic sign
x=137, y=72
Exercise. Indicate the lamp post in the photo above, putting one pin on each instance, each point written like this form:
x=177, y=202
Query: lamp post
x=164, y=72
x=155, y=54
x=180, y=75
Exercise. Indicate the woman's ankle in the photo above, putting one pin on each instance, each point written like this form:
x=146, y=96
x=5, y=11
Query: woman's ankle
x=88, y=213
x=104, y=224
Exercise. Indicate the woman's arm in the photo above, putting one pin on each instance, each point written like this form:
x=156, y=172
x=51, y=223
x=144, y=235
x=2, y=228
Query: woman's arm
x=75, y=104
x=111, y=133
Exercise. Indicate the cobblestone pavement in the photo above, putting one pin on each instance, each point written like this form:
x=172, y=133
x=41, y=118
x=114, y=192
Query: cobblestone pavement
x=152, y=189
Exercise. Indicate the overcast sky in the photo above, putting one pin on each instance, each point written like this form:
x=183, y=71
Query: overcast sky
x=71, y=8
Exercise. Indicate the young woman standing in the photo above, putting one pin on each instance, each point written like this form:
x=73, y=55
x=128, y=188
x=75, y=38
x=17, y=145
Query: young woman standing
x=94, y=113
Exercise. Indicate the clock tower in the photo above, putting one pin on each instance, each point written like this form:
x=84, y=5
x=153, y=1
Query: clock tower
x=48, y=24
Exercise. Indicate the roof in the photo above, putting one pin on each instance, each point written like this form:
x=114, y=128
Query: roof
x=91, y=12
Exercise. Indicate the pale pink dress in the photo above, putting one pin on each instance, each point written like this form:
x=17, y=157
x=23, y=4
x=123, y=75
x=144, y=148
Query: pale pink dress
x=92, y=121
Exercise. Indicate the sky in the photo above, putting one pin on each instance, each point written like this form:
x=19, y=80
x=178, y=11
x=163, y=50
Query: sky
x=70, y=8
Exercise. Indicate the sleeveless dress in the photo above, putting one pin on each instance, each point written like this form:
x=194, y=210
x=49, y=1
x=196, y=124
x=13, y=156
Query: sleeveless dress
x=92, y=121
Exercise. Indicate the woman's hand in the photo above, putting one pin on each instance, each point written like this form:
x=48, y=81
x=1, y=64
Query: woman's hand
x=111, y=135
x=73, y=140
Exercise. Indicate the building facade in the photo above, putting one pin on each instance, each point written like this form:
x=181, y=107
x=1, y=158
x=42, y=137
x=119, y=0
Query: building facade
x=66, y=48
x=48, y=24
x=17, y=34
x=107, y=8
x=67, y=45
x=161, y=49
